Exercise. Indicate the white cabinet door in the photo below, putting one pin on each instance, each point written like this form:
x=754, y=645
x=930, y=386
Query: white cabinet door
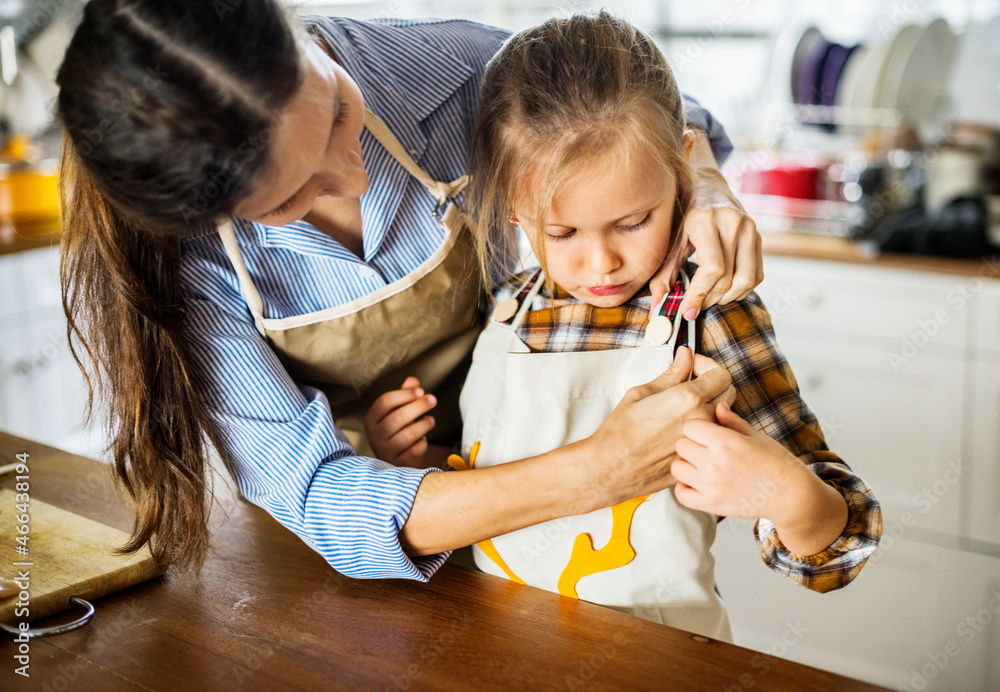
x=42, y=392
x=984, y=492
x=23, y=409
x=900, y=430
x=918, y=617
x=42, y=395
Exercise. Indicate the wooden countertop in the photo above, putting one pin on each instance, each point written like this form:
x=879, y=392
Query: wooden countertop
x=268, y=613
x=28, y=236
x=807, y=246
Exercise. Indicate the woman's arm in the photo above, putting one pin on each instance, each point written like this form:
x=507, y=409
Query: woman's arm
x=629, y=455
x=370, y=519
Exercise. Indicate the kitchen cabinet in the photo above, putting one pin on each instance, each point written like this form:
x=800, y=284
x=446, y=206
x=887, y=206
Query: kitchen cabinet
x=42, y=392
x=875, y=418
x=984, y=439
x=902, y=368
x=918, y=617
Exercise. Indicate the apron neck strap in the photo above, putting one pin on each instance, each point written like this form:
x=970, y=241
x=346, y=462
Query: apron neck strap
x=439, y=190
x=249, y=291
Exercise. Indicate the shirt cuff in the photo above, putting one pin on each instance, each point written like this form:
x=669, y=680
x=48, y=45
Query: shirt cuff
x=841, y=562
x=696, y=116
x=355, y=510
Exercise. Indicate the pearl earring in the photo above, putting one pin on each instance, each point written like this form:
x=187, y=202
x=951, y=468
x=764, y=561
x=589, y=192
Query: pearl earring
x=513, y=219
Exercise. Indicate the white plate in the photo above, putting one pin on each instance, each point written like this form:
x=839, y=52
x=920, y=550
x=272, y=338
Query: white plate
x=974, y=84
x=866, y=92
x=899, y=53
x=851, y=77
x=919, y=95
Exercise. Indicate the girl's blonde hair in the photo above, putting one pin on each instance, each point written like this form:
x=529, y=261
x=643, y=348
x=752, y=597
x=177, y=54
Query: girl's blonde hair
x=566, y=95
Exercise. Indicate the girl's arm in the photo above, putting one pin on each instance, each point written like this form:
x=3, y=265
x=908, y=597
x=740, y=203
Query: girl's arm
x=818, y=520
x=628, y=456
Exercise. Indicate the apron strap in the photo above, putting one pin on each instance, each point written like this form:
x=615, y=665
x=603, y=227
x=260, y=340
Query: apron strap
x=439, y=190
x=511, y=311
x=690, y=323
x=535, y=284
x=249, y=291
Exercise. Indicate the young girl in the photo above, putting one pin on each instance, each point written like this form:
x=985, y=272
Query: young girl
x=580, y=143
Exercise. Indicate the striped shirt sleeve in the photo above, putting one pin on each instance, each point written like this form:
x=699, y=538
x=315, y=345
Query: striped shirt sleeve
x=697, y=116
x=739, y=336
x=286, y=453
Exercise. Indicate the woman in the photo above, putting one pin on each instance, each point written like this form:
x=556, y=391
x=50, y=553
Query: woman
x=329, y=162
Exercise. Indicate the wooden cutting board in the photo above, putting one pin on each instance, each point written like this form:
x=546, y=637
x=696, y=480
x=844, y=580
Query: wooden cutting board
x=70, y=555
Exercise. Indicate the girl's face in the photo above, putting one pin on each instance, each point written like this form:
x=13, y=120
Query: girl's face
x=607, y=231
x=315, y=145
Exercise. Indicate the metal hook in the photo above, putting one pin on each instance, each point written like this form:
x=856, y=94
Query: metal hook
x=56, y=629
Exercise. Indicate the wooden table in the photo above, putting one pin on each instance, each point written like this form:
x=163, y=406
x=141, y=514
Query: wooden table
x=267, y=613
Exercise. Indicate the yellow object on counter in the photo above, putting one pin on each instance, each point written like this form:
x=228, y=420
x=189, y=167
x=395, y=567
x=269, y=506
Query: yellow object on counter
x=29, y=189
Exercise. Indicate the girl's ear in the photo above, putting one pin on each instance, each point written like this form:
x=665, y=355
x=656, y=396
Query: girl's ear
x=689, y=137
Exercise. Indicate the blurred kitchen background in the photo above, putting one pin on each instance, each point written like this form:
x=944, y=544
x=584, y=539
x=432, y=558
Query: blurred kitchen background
x=867, y=149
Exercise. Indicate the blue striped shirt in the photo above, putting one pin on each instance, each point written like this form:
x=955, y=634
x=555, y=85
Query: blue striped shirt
x=422, y=78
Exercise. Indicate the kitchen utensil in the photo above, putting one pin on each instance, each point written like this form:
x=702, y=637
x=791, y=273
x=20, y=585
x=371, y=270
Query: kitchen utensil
x=955, y=171
x=29, y=190
x=797, y=182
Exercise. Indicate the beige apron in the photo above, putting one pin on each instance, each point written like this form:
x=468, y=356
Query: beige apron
x=423, y=325
x=648, y=556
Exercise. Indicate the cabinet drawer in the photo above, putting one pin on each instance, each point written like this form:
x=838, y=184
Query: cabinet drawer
x=899, y=310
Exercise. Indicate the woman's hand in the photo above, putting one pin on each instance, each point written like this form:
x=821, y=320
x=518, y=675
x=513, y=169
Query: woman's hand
x=628, y=456
x=732, y=469
x=730, y=261
x=397, y=426
x=634, y=447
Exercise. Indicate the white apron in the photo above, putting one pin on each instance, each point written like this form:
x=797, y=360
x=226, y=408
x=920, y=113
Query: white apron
x=648, y=556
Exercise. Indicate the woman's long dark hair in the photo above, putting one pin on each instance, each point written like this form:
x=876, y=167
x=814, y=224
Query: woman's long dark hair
x=167, y=107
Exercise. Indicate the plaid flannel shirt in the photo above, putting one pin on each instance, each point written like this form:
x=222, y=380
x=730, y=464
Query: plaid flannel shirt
x=738, y=336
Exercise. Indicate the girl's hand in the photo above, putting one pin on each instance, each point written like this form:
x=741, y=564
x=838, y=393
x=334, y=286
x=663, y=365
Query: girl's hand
x=730, y=261
x=631, y=453
x=732, y=469
x=397, y=427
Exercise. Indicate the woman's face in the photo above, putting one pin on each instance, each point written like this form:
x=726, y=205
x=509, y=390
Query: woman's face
x=608, y=229
x=315, y=146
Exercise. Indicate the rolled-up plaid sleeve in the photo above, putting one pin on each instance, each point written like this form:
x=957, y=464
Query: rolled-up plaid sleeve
x=739, y=336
